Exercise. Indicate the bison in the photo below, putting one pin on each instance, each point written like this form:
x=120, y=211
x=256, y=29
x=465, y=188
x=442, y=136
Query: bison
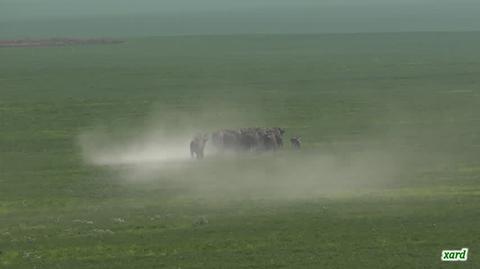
x=244, y=139
x=197, y=146
x=296, y=142
x=249, y=139
x=227, y=139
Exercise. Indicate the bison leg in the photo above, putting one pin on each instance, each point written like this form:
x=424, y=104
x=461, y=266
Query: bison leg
x=192, y=150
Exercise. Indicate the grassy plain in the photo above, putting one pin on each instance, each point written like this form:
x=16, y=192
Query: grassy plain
x=411, y=98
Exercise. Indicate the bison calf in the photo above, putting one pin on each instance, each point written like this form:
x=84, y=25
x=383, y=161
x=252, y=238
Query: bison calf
x=296, y=142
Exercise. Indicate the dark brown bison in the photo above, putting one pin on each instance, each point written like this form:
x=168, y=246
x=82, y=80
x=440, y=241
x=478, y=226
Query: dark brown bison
x=269, y=141
x=296, y=142
x=278, y=133
x=249, y=139
x=227, y=139
x=244, y=139
x=197, y=146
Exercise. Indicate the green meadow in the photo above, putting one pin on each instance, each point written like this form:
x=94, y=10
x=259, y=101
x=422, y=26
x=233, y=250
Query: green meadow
x=388, y=175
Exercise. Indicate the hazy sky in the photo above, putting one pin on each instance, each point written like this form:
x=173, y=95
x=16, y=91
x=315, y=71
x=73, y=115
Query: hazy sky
x=58, y=8
x=40, y=17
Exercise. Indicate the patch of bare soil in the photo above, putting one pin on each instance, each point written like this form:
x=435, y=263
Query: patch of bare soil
x=57, y=42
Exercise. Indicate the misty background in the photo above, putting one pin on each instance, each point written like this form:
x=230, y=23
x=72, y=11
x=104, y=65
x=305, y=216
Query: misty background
x=122, y=18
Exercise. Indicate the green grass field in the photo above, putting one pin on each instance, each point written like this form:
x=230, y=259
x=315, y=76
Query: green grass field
x=389, y=173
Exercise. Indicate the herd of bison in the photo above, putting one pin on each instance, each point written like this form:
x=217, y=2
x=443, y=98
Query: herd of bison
x=244, y=139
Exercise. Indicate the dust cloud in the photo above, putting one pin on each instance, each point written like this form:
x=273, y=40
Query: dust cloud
x=161, y=158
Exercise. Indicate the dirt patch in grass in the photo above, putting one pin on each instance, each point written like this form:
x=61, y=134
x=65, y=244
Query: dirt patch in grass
x=57, y=42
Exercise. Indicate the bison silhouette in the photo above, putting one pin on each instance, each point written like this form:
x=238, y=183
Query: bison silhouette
x=197, y=146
